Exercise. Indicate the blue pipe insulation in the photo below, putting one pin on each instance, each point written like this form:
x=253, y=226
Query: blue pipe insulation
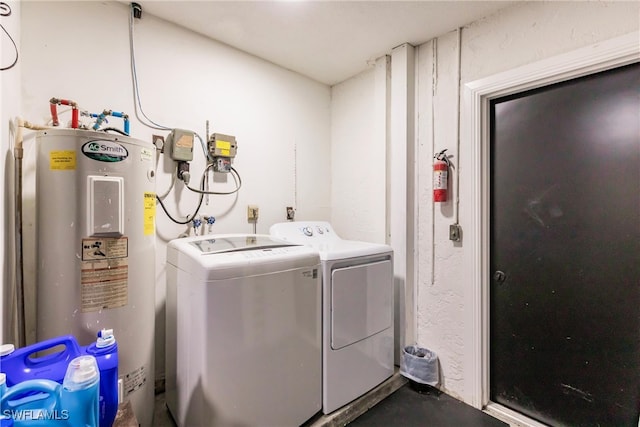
x=101, y=117
x=99, y=120
x=127, y=124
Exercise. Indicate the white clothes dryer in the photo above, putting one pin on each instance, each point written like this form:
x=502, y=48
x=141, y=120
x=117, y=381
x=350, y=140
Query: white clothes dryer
x=357, y=310
x=243, y=331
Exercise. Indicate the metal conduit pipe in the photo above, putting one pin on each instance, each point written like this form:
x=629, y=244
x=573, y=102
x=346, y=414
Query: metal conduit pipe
x=18, y=154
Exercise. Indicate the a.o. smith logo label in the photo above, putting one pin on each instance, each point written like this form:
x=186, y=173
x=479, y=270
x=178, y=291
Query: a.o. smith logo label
x=105, y=151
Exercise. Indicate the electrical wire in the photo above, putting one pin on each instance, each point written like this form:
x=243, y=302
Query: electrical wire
x=458, y=82
x=140, y=114
x=236, y=178
x=295, y=175
x=173, y=182
x=204, y=147
x=5, y=10
x=188, y=220
x=137, y=105
x=434, y=87
x=115, y=130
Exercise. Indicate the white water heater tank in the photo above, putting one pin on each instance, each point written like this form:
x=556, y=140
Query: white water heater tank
x=95, y=228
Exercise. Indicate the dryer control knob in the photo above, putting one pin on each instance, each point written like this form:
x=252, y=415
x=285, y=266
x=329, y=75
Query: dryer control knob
x=308, y=231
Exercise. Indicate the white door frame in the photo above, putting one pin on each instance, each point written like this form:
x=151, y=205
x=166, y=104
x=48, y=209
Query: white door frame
x=602, y=56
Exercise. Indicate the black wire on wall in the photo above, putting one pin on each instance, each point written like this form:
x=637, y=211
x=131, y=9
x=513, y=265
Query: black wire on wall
x=146, y=121
x=5, y=10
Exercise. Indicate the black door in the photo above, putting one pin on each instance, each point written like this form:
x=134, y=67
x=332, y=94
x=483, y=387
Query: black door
x=565, y=251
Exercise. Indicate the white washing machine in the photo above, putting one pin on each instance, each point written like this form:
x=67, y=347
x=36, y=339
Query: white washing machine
x=357, y=310
x=243, y=331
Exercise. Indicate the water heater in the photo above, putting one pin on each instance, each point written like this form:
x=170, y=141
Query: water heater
x=95, y=228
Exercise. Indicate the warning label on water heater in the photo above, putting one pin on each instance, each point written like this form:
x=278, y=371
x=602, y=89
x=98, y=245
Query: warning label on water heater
x=104, y=273
x=62, y=160
x=133, y=380
x=149, y=214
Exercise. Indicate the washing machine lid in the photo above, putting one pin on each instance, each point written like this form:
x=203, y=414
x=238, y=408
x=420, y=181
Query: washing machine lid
x=321, y=236
x=225, y=256
x=236, y=243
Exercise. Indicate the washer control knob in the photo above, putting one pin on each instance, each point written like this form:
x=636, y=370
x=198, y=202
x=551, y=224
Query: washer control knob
x=308, y=231
x=319, y=230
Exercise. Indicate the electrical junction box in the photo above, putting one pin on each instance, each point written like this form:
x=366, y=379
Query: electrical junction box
x=221, y=145
x=222, y=148
x=180, y=144
x=222, y=164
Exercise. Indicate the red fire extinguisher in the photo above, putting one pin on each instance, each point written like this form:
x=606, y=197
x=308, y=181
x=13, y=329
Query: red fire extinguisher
x=440, y=176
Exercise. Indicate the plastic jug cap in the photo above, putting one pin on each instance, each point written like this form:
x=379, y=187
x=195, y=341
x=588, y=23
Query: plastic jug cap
x=105, y=342
x=81, y=370
x=105, y=338
x=6, y=349
x=105, y=333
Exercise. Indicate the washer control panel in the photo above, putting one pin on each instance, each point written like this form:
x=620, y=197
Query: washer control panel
x=303, y=231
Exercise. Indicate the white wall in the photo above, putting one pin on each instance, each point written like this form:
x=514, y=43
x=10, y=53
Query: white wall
x=186, y=79
x=80, y=51
x=352, y=106
x=9, y=109
x=514, y=36
x=358, y=172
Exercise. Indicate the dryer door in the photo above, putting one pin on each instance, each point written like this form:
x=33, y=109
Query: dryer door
x=361, y=302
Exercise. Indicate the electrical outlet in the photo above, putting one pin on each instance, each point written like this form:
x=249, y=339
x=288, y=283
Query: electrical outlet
x=252, y=213
x=455, y=232
x=291, y=213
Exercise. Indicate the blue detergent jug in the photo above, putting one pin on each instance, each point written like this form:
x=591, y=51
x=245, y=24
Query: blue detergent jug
x=21, y=365
x=81, y=392
x=46, y=403
x=5, y=420
x=34, y=403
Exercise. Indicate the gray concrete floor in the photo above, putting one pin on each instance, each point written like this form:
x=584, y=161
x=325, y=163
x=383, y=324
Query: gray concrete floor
x=393, y=402
x=408, y=407
x=341, y=417
x=161, y=415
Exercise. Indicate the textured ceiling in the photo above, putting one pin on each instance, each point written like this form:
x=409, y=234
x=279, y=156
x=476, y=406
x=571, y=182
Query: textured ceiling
x=328, y=41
